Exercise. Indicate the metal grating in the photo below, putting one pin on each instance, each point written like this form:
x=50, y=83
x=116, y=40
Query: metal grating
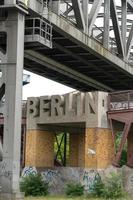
x=120, y=100
x=38, y=31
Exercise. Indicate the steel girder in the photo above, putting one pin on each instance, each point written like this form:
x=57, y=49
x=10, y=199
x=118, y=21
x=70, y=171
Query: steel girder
x=109, y=21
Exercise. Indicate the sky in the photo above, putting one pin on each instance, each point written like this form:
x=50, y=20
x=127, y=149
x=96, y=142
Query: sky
x=40, y=86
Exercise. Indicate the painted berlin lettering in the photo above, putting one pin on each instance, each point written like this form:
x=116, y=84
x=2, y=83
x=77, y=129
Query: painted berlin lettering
x=73, y=104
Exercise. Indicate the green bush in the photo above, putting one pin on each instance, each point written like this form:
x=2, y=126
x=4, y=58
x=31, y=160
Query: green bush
x=111, y=188
x=74, y=189
x=123, y=160
x=98, y=187
x=33, y=185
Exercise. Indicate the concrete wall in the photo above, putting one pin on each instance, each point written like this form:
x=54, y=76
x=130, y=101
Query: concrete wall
x=59, y=177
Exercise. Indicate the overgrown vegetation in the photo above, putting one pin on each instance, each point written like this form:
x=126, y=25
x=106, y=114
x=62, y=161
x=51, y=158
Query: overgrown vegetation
x=98, y=187
x=74, y=189
x=60, y=143
x=68, y=198
x=33, y=185
x=123, y=160
x=111, y=188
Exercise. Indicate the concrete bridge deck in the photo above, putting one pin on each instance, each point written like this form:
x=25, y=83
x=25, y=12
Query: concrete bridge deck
x=78, y=60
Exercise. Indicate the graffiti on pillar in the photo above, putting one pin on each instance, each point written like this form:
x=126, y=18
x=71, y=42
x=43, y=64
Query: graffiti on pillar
x=4, y=172
x=29, y=170
x=89, y=179
x=50, y=176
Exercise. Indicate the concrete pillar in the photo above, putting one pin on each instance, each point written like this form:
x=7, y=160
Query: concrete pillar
x=10, y=166
x=73, y=151
x=77, y=150
x=130, y=148
x=39, y=148
x=99, y=148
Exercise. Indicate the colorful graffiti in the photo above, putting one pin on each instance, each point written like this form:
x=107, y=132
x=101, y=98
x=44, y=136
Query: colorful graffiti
x=4, y=172
x=29, y=170
x=89, y=179
x=50, y=176
x=58, y=178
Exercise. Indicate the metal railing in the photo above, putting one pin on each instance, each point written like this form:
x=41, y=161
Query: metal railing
x=120, y=100
x=38, y=27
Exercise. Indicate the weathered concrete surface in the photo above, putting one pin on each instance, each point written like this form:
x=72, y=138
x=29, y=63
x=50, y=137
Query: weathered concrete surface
x=39, y=148
x=10, y=165
x=76, y=107
x=91, y=143
x=77, y=150
x=87, y=42
x=128, y=179
x=91, y=149
x=99, y=148
x=13, y=196
x=58, y=177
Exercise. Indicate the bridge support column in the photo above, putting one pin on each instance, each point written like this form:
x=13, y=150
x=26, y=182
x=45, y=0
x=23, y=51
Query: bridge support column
x=77, y=150
x=10, y=166
x=99, y=148
x=39, y=148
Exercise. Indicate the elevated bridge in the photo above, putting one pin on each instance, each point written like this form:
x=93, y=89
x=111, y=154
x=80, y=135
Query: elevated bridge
x=84, y=44
x=90, y=44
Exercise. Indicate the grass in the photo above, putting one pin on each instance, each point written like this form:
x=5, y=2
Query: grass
x=66, y=198
x=58, y=198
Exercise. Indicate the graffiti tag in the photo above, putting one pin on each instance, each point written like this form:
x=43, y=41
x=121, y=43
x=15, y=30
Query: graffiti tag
x=29, y=170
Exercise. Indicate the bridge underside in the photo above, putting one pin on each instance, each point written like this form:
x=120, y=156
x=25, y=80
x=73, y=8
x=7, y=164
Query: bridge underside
x=78, y=60
x=70, y=64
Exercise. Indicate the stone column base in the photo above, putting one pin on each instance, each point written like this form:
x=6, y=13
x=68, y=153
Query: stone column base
x=14, y=196
x=39, y=149
x=77, y=150
x=99, y=150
